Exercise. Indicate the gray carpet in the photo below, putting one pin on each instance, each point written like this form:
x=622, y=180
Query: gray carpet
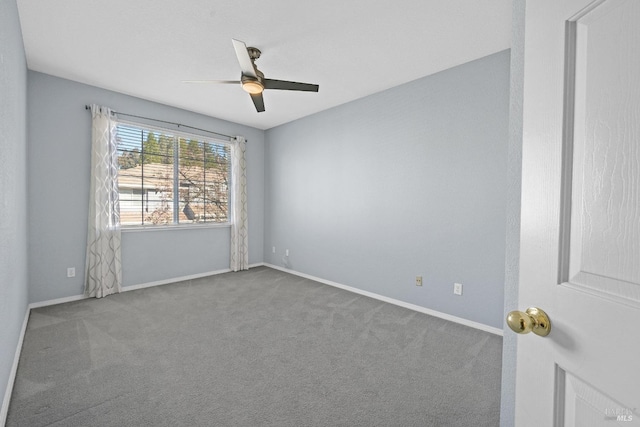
x=255, y=348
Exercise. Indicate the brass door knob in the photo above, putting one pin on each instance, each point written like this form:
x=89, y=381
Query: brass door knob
x=533, y=320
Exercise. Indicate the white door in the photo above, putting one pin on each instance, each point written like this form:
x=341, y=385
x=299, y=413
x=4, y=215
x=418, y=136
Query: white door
x=580, y=235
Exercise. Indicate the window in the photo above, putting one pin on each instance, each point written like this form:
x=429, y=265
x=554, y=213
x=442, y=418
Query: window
x=166, y=177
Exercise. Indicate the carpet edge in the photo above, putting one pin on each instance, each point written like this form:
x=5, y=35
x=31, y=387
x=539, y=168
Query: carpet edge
x=414, y=307
x=138, y=286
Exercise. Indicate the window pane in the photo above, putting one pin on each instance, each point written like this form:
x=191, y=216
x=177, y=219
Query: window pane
x=130, y=174
x=202, y=175
x=157, y=184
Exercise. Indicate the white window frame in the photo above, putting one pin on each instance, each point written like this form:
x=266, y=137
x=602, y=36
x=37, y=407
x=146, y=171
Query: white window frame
x=178, y=134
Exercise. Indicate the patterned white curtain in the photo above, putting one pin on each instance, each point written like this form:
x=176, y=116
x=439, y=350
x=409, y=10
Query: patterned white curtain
x=103, y=275
x=239, y=222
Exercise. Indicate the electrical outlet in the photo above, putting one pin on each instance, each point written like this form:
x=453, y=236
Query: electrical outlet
x=273, y=249
x=71, y=272
x=286, y=252
x=418, y=280
x=457, y=288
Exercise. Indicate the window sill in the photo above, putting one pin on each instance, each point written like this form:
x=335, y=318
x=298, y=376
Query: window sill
x=142, y=228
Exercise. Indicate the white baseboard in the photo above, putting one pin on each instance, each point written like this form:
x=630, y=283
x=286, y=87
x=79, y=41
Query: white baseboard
x=134, y=287
x=183, y=278
x=56, y=301
x=258, y=264
x=410, y=306
x=173, y=280
x=4, y=411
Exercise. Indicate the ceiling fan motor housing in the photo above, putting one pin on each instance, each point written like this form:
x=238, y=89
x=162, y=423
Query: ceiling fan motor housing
x=252, y=85
x=254, y=52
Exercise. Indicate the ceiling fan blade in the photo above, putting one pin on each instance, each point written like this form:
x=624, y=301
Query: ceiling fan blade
x=285, y=85
x=258, y=101
x=212, y=81
x=246, y=65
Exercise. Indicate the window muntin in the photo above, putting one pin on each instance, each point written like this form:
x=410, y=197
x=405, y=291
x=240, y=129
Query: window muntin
x=166, y=177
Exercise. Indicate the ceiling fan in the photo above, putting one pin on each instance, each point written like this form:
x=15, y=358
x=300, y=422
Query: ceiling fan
x=253, y=80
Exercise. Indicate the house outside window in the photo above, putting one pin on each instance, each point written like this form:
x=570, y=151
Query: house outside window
x=171, y=178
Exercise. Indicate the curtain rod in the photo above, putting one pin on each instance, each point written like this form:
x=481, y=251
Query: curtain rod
x=87, y=107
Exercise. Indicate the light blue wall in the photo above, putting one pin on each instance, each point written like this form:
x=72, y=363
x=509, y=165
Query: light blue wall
x=13, y=187
x=514, y=181
x=59, y=153
x=410, y=181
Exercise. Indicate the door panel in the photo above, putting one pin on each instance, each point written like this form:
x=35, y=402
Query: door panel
x=580, y=226
x=583, y=405
x=605, y=219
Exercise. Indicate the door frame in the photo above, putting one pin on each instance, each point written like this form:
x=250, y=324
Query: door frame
x=514, y=186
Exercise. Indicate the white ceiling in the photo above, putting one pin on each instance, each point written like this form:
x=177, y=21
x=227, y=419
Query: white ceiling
x=351, y=48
